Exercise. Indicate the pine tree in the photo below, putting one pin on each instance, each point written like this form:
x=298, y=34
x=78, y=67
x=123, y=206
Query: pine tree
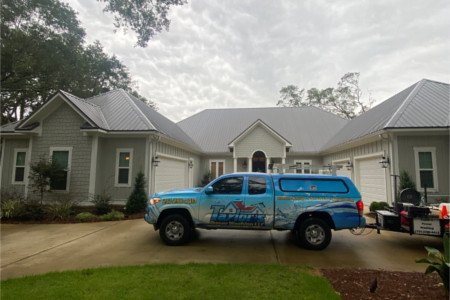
x=405, y=181
x=138, y=198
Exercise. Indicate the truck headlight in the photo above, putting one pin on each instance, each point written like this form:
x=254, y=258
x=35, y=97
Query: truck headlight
x=153, y=201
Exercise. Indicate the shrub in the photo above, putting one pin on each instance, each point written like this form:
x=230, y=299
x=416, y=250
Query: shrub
x=378, y=206
x=102, y=204
x=42, y=173
x=138, y=198
x=10, y=202
x=439, y=262
x=114, y=215
x=406, y=181
x=60, y=209
x=30, y=210
x=86, y=217
x=8, y=208
x=206, y=179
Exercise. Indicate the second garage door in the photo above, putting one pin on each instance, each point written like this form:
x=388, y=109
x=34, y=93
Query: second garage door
x=171, y=174
x=371, y=180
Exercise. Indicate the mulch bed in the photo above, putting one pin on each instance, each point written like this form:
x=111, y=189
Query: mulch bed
x=356, y=283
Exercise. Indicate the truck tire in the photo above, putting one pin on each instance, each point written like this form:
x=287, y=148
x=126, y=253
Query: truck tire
x=175, y=230
x=314, y=234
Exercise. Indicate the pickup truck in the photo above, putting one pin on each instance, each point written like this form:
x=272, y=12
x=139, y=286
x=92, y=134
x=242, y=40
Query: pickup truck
x=308, y=205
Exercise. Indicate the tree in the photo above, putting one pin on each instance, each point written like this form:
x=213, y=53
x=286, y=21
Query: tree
x=42, y=173
x=43, y=50
x=146, y=18
x=345, y=100
x=138, y=198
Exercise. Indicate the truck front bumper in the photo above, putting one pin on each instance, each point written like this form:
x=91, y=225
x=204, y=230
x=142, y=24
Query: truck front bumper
x=151, y=216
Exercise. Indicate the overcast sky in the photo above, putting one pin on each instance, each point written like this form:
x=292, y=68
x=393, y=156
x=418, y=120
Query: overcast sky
x=220, y=54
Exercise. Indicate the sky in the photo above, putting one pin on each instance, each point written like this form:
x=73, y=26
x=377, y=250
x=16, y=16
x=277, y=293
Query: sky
x=231, y=54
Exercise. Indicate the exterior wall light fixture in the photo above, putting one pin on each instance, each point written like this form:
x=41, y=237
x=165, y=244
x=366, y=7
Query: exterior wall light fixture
x=349, y=166
x=384, y=162
x=190, y=164
x=155, y=161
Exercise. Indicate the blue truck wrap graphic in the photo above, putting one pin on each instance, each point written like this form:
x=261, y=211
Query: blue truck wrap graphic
x=310, y=205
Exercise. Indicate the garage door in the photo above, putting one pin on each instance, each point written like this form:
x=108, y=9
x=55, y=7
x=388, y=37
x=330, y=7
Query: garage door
x=371, y=180
x=344, y=172
x=171, y=174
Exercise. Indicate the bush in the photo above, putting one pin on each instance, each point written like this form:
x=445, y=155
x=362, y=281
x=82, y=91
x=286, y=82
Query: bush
x=30, y=210
x=138, y=198
x=10, y=202
x=60, y=209
x=8, y=208
x=406, y=181
x=114, y=215
x=102, y=204
x=378, y=206
x=206, y=179
x=86, y=217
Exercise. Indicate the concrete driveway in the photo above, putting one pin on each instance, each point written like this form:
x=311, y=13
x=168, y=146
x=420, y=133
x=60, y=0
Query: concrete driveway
x=33, y=249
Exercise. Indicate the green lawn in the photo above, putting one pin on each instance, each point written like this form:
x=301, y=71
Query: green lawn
x=169, y=281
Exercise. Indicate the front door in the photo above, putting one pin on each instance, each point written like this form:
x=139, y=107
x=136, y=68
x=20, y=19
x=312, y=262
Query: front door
x=259, y=162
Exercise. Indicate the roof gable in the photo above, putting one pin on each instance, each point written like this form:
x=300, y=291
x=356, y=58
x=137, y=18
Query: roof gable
x=266, y=127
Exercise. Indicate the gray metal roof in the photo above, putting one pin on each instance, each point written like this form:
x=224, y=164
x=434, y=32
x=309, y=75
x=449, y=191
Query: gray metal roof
x=307, y=128
x=9, y=128
x=425, y=104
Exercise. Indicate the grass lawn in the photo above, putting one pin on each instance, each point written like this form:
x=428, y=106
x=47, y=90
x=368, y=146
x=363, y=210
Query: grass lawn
x=169, y=281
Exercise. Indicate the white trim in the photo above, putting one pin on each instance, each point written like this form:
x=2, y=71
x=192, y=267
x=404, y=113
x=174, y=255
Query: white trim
x=130, y=167
x=191, y=173
x=303, y=161
x=217, y=168
x=171, y=156
x=2, y=159
x=341, y=160
x=28, y=163
x=13, y=179
x=432, y=150
x=93, y=170
x=69, y=164
x=147, y=160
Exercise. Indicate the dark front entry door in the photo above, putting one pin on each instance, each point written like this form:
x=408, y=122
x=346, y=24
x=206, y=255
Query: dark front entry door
x=259, y=162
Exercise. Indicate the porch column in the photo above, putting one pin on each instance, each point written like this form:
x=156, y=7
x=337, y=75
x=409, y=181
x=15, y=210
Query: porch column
x=249, y=164
x=283, y=161
x=93, y=167
x=267, y=165
x=235, y=165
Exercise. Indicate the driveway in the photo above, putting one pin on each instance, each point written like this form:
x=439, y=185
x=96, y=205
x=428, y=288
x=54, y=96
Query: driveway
x=32, y=249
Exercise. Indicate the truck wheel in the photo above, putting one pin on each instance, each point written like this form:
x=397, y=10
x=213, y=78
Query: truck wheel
x=175, y=230
x=314, y=234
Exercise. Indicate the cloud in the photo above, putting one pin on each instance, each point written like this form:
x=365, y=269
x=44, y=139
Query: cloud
x=240, y=53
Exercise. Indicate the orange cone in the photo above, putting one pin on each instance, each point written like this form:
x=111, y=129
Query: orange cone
x=444, y=212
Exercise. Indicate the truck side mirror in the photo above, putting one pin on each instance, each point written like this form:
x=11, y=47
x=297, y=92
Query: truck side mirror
x=209, y=190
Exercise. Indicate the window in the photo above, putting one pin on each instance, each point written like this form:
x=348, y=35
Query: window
x=230, y=185
x=335, y=186
x=62, y=157
x=217, y=168
x=19, y=166
x=426, y=172
x=256, y=185
x=303, y=166
x=124, y=160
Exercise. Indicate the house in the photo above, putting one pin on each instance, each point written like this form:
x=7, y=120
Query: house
x=103, y=141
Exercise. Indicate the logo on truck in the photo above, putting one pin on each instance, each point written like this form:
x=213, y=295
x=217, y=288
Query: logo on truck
x=237, y=214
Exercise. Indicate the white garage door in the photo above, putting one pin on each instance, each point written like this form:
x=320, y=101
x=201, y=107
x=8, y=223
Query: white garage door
x=171, y=174
x=344, y=172
x=371, y=181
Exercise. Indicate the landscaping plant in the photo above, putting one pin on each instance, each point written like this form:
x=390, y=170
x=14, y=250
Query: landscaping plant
x=114, y=215
x=438, y=262
x=60, y=209
x=86, y=217
x=406, y=181
x=102, y=204
x=42, y=173
x=378, y=206
x=138, y=198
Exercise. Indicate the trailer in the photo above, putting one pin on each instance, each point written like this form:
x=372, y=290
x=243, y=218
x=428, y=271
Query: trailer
x=412, y=215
